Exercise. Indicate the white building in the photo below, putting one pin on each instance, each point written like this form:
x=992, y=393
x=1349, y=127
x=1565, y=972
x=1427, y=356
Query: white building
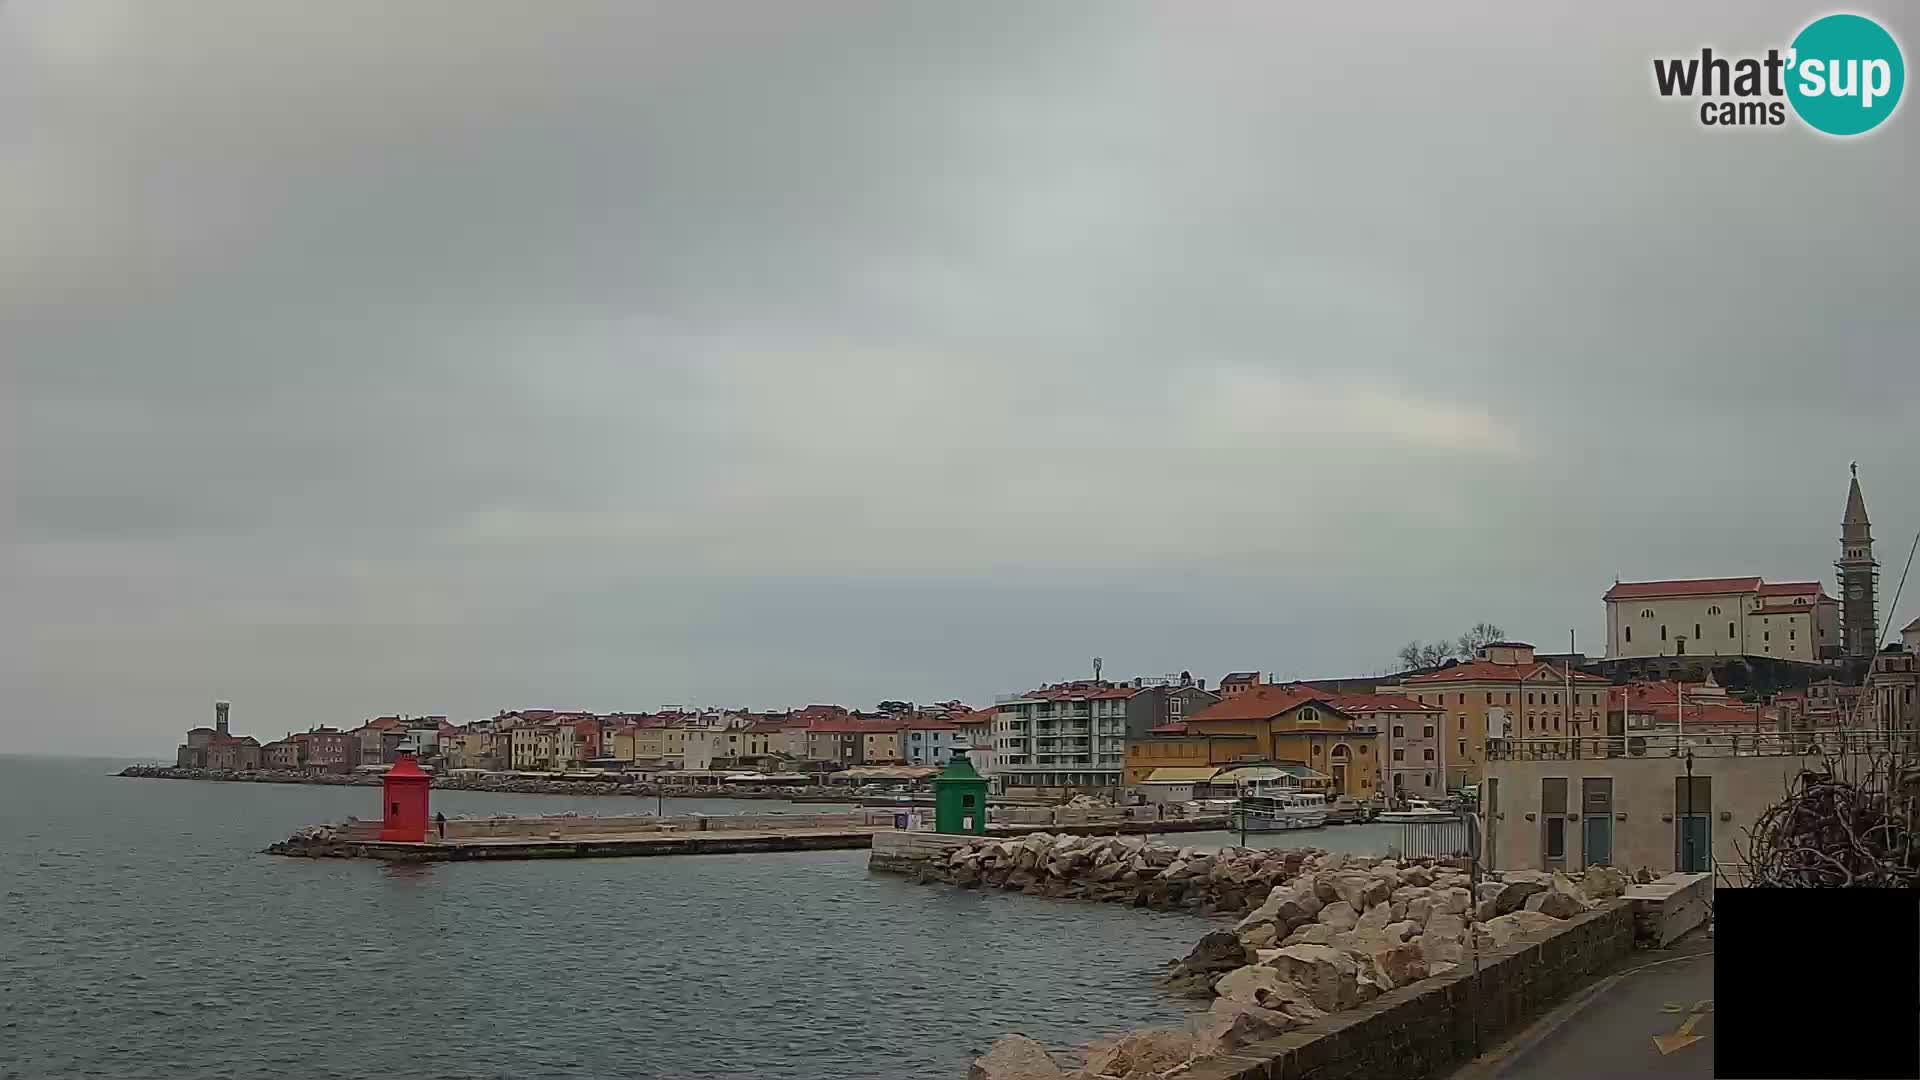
x=1072, y=735
x=1741, y=616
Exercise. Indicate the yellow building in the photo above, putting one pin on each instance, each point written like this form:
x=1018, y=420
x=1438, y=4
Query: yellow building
x=1504, y=693
x=1265, y=723
x=880, y=746
x=1172, y=747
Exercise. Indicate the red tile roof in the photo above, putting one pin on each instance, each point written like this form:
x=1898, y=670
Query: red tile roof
x=1177, y=727
x=1261, y=703
x=1488, y=671
x=1372, y=703
x=1790, y=588
x=1644, y=590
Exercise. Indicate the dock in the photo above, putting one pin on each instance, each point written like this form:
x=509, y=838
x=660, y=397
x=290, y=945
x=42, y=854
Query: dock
x=471, y=839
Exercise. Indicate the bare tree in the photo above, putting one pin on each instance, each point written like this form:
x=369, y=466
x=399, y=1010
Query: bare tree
x=1411, y=655
x=1425, y=654
x=1478, y=637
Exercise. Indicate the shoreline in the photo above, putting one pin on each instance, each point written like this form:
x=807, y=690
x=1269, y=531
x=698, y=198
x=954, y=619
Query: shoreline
x=494, y=786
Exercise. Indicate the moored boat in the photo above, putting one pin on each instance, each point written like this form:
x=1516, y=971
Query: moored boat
x=1269, y=810
x=1418, y=810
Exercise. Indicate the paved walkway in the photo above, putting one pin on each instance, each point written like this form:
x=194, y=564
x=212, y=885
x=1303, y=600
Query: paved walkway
x=1652, y=1019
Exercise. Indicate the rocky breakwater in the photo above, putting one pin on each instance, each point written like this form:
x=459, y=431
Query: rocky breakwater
x=1119, y=869
x=1338, y=932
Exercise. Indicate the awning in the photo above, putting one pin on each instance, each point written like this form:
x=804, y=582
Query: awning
x=1266, y=774
x=1183, y=774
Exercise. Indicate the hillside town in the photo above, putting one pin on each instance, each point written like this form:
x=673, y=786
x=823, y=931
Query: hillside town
x=1709, y=658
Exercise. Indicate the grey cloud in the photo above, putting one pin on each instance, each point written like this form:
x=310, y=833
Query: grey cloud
x=461, y=356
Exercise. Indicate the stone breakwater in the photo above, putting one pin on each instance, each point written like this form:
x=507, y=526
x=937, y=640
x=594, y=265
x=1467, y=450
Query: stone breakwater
x=501, y=785
x=1319, y=934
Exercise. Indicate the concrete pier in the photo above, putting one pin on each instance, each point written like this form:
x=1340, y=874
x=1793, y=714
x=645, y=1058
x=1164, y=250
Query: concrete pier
x=471, y=839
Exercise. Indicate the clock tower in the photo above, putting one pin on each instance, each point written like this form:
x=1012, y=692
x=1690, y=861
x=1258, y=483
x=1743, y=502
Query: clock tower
x=1859, y=576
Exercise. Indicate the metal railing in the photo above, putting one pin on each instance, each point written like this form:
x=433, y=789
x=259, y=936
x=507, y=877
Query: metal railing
x=1716, y=742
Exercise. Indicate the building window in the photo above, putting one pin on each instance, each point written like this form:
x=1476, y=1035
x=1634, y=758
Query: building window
x=1714, y=610
x=1556, y=699
x=1629, y=633
x=1696, y=631
x=1463, y=748
x=1766, y=635
x=1428, y=732
x=1489, y=697
x=1429, y=754
x=1363, y=749
x=1793, y=635
x=1729, y=631
x=1529, y=699
x=1646, y=613
x=1663, y=631
x=1399, y=732
x=1509, y=700
x=1399, y=755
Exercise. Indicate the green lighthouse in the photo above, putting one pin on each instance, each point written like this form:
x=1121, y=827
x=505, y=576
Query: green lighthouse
x=960, y=798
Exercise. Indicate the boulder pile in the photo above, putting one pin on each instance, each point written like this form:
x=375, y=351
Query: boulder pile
x=1332, y=933
x=1119, y=869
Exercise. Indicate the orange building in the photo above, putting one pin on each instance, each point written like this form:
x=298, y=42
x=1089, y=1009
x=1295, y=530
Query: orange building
x=1297, y=724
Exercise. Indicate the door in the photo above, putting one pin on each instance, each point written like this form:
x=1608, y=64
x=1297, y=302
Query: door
x=1596, y=822
x=1693, y=824
x=1696, y=844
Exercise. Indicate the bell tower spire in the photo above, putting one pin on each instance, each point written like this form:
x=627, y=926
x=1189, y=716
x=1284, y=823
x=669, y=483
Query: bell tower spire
x=1859, y=575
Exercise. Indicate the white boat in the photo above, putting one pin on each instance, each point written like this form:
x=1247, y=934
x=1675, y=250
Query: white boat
x=1270, y=810
x=1418, y=810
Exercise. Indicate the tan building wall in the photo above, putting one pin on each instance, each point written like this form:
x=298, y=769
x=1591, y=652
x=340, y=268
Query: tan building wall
x=1647, y=794
x=1739, y=623
x=1528, y=704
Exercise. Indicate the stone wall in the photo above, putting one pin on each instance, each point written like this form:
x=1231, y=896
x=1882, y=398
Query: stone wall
x=566, y=826
x=1443, y=1021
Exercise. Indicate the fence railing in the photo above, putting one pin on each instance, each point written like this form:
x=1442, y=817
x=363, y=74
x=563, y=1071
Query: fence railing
x=1709, y=742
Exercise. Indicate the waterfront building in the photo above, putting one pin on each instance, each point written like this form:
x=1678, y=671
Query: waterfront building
x=1065, y=737
x=1406, y=741
x=1722, y=617
x=548, y=745
x=379, y=739
x=880, y=740
x=326, y=750
x=1299, y=725
x=282, y=754
x=929, y=741
x=233, y=753
x=1503, y=692
x=1663, y=801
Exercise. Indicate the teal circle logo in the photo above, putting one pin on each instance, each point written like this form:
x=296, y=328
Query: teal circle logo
x=1845, y=74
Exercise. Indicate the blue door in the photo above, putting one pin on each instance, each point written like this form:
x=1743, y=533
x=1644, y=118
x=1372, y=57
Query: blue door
x=1598, y=841
x=1696, y=844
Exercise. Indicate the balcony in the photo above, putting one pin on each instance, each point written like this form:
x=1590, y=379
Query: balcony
x=1702, y=744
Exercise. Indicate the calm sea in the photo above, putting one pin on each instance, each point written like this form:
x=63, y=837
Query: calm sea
x=142, y=934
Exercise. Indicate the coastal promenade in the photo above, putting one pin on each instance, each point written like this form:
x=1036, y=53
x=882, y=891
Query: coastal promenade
x=470, y=839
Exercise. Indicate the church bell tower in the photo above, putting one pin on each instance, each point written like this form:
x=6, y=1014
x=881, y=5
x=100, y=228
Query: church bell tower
x=1859, y=576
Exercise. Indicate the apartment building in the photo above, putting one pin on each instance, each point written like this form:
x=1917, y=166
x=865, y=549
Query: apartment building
x=1065, y=736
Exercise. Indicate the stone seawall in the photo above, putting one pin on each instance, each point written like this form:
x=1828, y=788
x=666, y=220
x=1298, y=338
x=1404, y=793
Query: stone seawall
x=1443, y=1021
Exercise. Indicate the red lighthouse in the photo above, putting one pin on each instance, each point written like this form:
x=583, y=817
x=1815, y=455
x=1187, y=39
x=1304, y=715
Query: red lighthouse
x=404, y=795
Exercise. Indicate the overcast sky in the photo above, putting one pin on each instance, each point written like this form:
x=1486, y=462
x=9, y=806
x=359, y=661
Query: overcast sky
x=446, y=357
